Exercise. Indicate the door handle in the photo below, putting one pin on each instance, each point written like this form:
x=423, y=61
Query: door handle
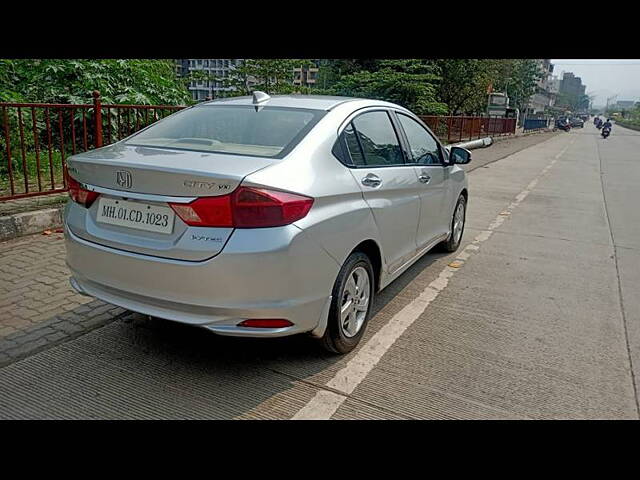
x=424, y=178
x=371, y=180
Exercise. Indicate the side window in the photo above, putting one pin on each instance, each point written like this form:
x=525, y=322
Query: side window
x=378, y=139
x=353, y=145
x=424, y=147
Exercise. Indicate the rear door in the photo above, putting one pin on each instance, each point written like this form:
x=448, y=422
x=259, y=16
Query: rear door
x=426, y=154
x=389, y=185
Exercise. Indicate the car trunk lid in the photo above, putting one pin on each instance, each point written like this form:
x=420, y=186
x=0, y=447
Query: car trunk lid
x=141, y=181
x=160, y=171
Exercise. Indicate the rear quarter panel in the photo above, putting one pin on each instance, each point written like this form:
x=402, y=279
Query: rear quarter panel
x=340, y=219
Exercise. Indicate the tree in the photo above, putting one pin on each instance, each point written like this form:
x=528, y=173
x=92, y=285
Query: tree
x=573, y=102
x=464, y=82
x=332, y=70
x=452, y=86
x=73, y=81
x=150, y=82
x=8, y=81
x=518, y=78
x=411, y=83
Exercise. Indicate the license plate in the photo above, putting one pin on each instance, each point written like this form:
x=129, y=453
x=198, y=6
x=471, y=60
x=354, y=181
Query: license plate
x=142, y=216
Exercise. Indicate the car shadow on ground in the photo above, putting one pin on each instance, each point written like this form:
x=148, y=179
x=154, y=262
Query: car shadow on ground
x=237, y=375
x=172, y=370
x=182, y=339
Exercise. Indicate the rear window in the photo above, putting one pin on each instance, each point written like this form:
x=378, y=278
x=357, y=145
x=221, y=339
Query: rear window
x=240, y=130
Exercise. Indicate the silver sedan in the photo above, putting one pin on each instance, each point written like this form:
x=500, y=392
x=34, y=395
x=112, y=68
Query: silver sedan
x=264, y=216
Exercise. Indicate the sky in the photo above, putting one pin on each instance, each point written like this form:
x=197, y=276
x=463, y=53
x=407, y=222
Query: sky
x=604, y=78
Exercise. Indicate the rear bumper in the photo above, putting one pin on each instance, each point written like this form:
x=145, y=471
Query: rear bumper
x=263, y=273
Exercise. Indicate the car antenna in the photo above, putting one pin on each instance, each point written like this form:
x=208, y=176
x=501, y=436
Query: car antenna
x=258, y=98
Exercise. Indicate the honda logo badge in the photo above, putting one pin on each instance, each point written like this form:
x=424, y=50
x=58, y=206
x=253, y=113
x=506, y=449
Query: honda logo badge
x=123, y=178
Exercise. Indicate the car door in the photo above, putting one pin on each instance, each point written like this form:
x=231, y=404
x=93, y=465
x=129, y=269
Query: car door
x=427, y=157
x=389, y=185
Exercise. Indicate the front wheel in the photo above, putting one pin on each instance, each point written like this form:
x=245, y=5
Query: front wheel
x=457, y=226
x=352, y=297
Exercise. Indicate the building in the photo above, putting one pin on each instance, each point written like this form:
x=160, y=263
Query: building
x=545, y=90
x=305, y=76
x=626, y=104
x=572, y=85
x=218, y=67
x=571, y=94
x=554, y=86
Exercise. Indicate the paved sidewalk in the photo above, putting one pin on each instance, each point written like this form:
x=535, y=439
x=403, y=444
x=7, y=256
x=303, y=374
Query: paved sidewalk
x=38, y=307
x=506, y=146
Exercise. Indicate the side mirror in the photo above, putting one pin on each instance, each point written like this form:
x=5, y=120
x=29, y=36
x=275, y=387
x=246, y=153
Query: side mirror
x=460, y=155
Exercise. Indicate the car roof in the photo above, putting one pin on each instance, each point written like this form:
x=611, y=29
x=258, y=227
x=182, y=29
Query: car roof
x=313, y=102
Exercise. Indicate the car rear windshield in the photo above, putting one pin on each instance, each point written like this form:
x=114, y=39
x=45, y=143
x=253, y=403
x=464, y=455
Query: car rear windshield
x=240, y=130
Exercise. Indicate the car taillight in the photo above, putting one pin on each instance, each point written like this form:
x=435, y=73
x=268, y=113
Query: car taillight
x=246, y=207
x=254, y=207
x=80, y=195
x=206, y=212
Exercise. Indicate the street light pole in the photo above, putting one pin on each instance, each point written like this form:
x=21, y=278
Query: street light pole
x=609, y=99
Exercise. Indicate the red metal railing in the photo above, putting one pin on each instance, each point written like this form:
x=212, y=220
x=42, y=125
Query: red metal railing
x=36, y=138
x=457, y=129
x=32, y=154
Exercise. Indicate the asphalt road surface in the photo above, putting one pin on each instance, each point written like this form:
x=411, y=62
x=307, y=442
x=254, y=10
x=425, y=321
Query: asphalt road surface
x=536, y=316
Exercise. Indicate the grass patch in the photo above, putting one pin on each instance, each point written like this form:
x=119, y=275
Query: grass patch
x=35, y=182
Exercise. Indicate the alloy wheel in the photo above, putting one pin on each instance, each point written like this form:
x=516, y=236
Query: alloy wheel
x=458, y=223
x=356, y=297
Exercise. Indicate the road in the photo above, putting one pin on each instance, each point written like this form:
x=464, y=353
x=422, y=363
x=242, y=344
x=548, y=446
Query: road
x=536, y=316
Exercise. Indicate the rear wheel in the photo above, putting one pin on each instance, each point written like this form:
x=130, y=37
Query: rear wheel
x=352, y=297
x=457, y=226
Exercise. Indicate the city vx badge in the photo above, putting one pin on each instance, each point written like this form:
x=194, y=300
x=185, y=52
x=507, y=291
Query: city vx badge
x=124, y=178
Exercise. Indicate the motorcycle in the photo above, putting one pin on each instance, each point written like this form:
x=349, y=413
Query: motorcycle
x=564, y=126
x=606, y=131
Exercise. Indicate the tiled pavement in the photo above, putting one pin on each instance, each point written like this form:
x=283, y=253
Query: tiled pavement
x=38, y=307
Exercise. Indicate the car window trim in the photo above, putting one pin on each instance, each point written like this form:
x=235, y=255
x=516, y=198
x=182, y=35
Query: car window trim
x=429, y=132
x=349, y=121
x=406, y=146
x=395, y=131
x=343, y=155
x=443, y=151
x=346, y=145
x=300, y=136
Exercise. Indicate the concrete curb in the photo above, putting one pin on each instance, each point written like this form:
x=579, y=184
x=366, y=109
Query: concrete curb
x=629, y=126
x=27, y=223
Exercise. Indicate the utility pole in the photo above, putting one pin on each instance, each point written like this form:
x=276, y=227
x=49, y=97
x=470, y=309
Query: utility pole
x=590, y=96
x=609, y=99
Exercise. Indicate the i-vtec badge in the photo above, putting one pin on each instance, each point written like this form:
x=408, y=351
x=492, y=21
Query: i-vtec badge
x=124, y=178
x=205, y=185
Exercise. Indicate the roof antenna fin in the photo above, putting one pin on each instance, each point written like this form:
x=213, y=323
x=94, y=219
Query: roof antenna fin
x=259, y=97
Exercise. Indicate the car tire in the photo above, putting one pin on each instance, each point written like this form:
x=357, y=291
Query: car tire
x=355, y=283
x=452, y=243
